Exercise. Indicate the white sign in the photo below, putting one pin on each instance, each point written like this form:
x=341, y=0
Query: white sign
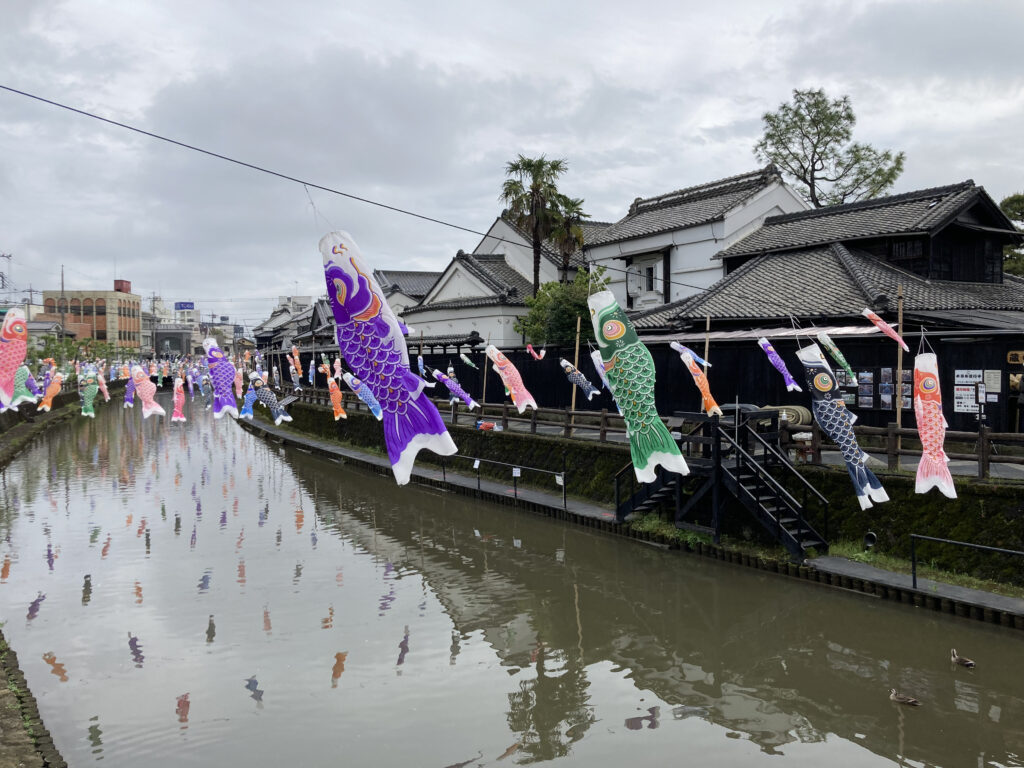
x=517, y=472
x=559, y=480
x=981, y=393
x=993, y=398
x=967, y=376
x=993, y=381
x=476, y=463
x=964, y=399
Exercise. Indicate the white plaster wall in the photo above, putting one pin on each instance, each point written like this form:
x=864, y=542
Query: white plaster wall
x=518, y=252
x=491, y=322
x=694, y=267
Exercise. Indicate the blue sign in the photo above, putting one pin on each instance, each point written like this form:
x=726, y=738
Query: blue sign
x=184, y=305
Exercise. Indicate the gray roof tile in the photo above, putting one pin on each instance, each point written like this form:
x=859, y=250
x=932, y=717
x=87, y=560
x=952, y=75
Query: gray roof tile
x=411, y=283
x=910, y=212
x=686, y=207
x=506, y=285
x=825, y=282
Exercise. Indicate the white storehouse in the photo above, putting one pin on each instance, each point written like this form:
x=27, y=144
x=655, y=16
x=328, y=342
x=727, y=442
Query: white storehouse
x=663, y=249
x=482, y=294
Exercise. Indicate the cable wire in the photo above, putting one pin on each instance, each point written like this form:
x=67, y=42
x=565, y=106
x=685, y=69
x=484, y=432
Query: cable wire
x=307, y=184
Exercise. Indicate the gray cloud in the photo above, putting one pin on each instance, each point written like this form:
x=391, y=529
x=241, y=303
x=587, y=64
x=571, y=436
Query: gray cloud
x=422, y=108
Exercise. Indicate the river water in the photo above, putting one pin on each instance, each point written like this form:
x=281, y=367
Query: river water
x=192, y=595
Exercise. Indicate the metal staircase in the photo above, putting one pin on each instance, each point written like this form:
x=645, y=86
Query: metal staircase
x=741, y=459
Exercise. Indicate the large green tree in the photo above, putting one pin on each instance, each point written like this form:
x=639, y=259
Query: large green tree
x=810, y=139
x=552, y=314
x=1013, y=255
x=530, y=193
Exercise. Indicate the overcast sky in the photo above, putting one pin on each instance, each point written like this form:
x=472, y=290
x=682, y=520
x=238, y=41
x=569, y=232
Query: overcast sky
x=420, y=105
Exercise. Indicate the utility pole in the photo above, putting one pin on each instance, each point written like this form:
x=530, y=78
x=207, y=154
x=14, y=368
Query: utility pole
x=63, y=305
x=5, y=279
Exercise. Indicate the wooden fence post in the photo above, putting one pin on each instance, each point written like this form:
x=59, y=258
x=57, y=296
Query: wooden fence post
x=604, y=424
x=816, y=443
x=533, y=421
x=890, y=445
x=568, y=423
x=984, y=451
x=504, y=415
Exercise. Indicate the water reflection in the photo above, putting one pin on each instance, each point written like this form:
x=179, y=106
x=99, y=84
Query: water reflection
x=558, y=643
x=339, y=668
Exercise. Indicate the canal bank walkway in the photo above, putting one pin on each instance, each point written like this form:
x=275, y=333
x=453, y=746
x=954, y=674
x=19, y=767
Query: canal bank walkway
x=439, y=477
x=833, y=571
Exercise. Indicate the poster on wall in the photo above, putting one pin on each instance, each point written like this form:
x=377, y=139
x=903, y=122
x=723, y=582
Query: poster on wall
x=964, y=398
x=993, y=381
x=967, y=376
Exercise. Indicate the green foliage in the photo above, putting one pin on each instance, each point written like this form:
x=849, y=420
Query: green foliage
x=552, y=314
x=1013, y=255
x=530, y=194
x=567, y=230
x=810, y=139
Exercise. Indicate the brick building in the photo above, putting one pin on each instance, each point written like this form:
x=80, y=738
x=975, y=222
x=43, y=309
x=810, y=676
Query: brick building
x=112, y=316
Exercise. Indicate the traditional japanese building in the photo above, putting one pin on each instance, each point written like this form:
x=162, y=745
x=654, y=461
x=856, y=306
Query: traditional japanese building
x=941, y=249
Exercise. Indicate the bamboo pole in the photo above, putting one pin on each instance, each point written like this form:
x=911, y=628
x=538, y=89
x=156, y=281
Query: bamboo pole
x=483, y=372
x=576, y=364
x=707, y=341
x=898, y=384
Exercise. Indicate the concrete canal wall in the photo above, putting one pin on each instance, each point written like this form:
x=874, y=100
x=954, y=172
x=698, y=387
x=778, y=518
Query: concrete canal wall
x=985, y=512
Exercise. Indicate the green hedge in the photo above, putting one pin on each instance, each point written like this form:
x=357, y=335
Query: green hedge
x=590, y=466
x=989, y=513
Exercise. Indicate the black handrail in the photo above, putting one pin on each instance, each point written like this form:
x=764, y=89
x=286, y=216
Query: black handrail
x=913, y=550
x=778, y=454
x=763, y=473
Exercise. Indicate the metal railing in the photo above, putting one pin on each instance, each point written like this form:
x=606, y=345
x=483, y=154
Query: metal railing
x=985, y=442
x=914, y=537
x=560, y=477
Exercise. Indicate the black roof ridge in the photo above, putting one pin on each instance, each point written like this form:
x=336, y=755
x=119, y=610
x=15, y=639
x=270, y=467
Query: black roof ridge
x=875, y=202
x=872, y=294
x=479, y=270
x=720, y=285
x=703, y=191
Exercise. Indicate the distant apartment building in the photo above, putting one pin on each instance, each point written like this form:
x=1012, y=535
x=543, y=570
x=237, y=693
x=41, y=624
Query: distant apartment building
x=111, y=316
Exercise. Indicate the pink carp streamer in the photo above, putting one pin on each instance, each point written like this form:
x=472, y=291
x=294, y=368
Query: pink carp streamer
x=885, y=328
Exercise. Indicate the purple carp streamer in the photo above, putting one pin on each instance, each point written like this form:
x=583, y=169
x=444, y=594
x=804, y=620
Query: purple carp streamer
x=373, y=345
x=779, y=363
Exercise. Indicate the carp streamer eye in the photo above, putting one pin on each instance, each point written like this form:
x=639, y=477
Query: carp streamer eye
x=823, y=382
x=613, y=329
x=929, y=385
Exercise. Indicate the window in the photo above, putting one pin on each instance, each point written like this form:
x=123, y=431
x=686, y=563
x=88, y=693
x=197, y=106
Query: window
x=649, y=278
x=101, y=334
x=101, y=307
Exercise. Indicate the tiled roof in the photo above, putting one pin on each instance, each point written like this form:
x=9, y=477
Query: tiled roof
x=466, y=303
x=686, y=207
x=826, y=282
x=506, y=285
x=446, y=340
x=907, y=213
x=411, y=283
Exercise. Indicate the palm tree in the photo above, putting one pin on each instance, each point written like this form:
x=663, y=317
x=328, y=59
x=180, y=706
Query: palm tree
x=567, y=230
x=530, y=195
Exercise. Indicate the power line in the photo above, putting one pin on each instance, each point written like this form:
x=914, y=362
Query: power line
x=700, y=289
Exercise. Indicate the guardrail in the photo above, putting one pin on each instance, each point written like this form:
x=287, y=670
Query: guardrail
x=986, y=444
x=560, y=477
x=915, y=537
